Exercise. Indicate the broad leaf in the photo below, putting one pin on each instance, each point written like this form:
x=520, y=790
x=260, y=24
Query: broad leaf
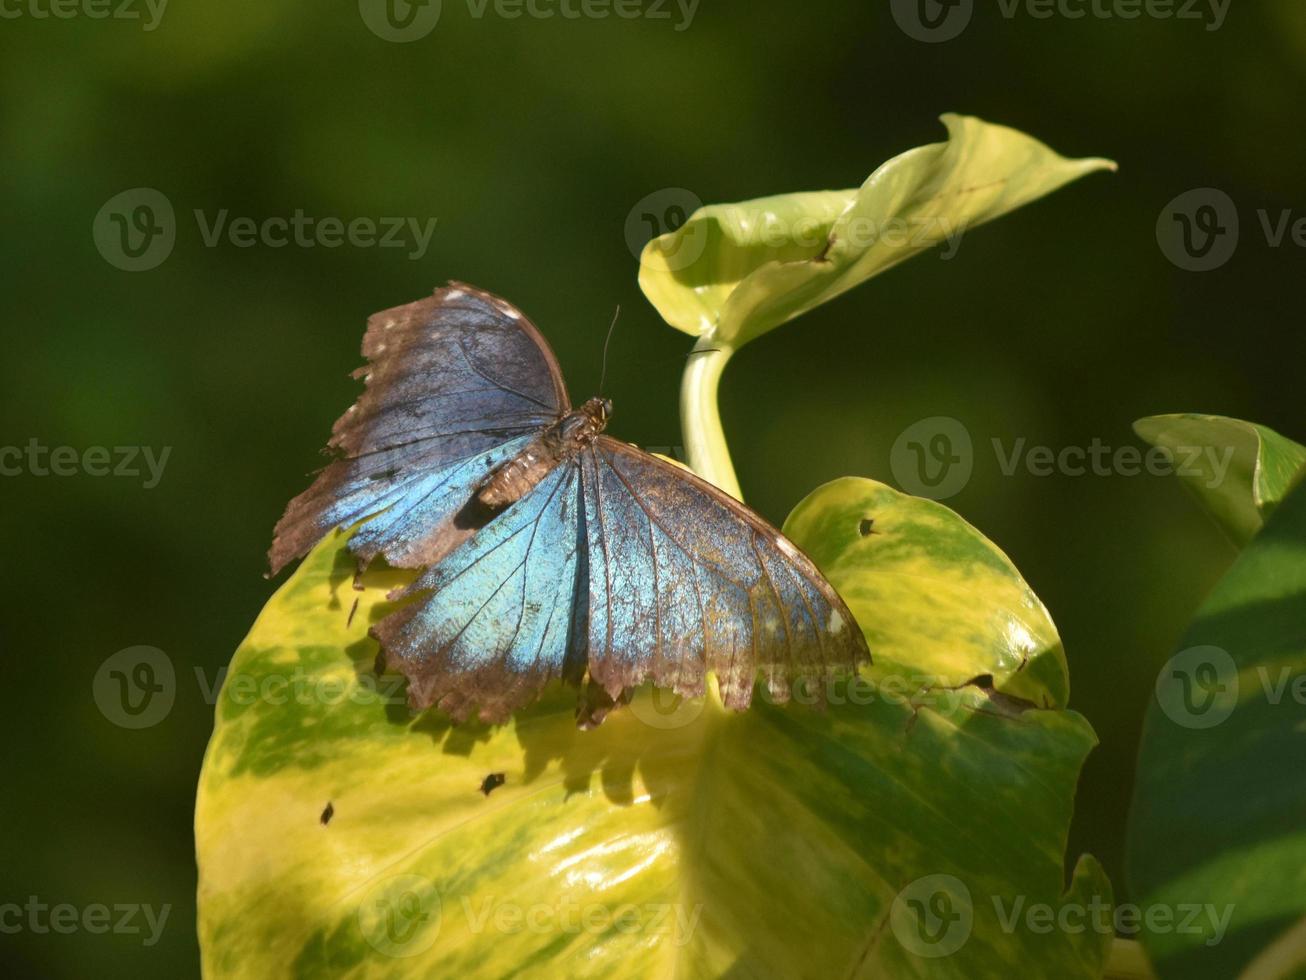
x=930, y=592
x=1239, y=470
x=903, y=831
x=1217, y=817
x=734, y=271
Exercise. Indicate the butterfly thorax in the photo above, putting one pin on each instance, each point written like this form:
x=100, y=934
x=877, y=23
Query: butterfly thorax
x=556, y=444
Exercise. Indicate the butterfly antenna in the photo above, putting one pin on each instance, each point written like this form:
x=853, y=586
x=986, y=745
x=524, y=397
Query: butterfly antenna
x=604, y=374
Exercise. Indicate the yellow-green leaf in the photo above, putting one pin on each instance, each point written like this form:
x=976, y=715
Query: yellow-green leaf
x=931, y=593
x=1238, y=469
x=888, y=835
x=734, y=271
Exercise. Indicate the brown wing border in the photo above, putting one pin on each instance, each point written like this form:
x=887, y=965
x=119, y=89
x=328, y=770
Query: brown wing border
x=290, y=540
x=801, y=559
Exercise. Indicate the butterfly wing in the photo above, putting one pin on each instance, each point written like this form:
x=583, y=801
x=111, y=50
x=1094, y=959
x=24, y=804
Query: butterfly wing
x=501, y=616
x=684, y=579
x=617, y=568
x=456, y=384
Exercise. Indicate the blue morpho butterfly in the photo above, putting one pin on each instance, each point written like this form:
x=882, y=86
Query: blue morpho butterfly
x=548, y=549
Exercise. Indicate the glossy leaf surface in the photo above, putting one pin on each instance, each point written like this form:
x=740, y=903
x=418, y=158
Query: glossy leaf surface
x=677, y=839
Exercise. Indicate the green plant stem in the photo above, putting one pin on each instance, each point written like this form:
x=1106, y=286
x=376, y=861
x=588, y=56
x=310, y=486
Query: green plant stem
x=1128, y=961
x=700, y=418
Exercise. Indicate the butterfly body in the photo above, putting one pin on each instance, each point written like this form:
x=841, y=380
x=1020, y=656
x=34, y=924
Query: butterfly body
x=546, y=549
x=560, y=443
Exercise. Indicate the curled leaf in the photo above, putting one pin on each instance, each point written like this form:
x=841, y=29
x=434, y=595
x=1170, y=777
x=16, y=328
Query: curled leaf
x=1238, y=469
x=733, y=272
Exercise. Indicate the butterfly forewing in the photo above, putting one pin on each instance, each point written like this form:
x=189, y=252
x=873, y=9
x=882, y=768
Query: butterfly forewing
x=455, y=384
x=684, y=578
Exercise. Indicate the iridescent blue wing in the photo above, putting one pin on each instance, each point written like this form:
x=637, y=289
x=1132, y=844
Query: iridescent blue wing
x=617, y=568
x=501, y=616
x=684, y=579
x=455, y=385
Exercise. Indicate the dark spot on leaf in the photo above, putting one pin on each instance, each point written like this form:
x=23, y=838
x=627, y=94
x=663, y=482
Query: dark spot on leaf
x=1007, y=705
x=867, y=527
x=328, y=813
x=492, y=782
x=353, y=609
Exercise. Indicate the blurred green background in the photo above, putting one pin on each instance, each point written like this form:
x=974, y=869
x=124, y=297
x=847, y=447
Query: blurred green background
x=531, y=141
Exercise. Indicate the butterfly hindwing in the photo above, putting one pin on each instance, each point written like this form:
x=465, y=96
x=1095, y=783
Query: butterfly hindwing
x=502, y=615
x=454, y=385
x=683, y=579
